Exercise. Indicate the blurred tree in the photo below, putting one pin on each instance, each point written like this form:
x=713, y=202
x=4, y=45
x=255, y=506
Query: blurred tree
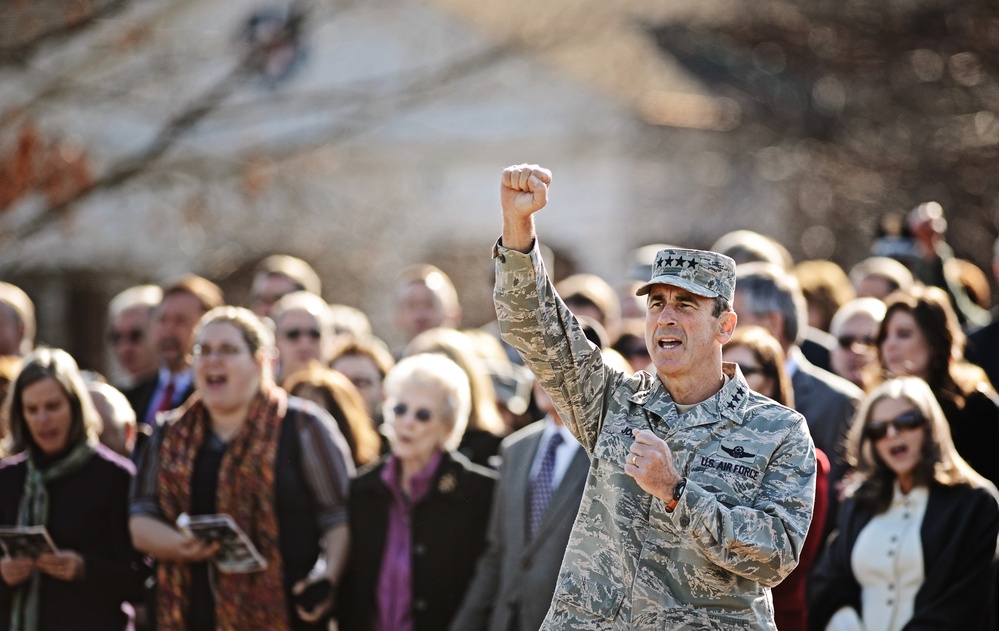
x=860, y=108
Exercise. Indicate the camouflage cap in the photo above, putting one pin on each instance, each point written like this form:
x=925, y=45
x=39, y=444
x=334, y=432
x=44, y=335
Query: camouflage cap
x=700, y=272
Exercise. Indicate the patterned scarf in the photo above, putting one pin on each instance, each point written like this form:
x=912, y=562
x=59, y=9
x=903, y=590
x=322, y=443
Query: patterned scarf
x=246, y=492
x=34, y=511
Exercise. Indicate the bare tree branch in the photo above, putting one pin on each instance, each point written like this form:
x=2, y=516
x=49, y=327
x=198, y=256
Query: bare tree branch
x=21, y=54
x=408, y=93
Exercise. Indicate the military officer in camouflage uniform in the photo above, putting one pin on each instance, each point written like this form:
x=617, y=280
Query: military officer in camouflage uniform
x=700, y=491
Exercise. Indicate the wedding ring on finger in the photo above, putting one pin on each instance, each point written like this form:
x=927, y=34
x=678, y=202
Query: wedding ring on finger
x=634, y=460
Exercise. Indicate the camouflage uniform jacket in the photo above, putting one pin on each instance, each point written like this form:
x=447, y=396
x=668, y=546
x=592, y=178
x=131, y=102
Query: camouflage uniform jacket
x=740, y=523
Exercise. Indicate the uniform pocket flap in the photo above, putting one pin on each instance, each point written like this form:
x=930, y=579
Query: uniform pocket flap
x=596, y=599
x=694, y=620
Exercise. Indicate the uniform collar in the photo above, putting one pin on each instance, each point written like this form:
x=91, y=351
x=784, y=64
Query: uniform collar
x=728, y=403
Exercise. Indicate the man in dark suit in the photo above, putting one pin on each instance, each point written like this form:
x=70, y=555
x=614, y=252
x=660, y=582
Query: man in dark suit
x=768, y=296
x=184, y=302
x=515, y=578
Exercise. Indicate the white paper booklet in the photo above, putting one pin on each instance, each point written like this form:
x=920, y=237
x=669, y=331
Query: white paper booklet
x=237, y=554
x=26, y=541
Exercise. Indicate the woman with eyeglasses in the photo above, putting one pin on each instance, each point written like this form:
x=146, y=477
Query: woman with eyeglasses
x=761, y=360
x=915, y=546
x=418, y=518
x=62, y=478
x=278, y=466
x=920, y=337
x=485, y=430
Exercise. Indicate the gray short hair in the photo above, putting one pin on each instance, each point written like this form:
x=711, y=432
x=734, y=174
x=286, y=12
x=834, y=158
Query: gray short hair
x=767, y=289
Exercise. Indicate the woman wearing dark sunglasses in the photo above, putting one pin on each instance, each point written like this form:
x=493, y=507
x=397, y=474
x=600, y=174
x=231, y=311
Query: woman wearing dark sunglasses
x=915, y=546
x=418, y=518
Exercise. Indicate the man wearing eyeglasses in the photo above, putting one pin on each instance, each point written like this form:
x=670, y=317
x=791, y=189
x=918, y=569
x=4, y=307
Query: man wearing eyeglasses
x=700, y=491
x=184, y=302
x=855, y=327
x=303, y=325
x=130, y=337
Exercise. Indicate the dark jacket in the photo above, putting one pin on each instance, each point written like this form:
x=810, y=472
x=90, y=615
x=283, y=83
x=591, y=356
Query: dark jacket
x=448, y=535
x=828, y=403
x=140, y=397
x=958, y=536
x=87, y=515
x=975, y=431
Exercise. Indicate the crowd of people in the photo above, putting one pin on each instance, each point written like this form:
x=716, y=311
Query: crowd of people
x=728, y=440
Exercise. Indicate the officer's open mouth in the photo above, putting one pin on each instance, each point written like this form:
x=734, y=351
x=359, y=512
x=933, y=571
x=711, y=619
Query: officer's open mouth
x=669, y=343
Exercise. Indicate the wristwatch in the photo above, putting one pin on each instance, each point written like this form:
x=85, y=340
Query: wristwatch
x=677, y=492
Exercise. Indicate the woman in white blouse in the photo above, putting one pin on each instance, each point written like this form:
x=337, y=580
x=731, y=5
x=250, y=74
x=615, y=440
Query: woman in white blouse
x=915, y=546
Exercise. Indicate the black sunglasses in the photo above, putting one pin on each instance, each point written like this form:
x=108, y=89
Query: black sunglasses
x=902, y=422
x=847, y=341
x=133, y=336
x=294, y=334
x=748, y=371
x=422, y=414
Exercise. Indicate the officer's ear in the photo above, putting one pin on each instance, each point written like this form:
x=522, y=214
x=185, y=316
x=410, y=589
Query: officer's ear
x=726, y=326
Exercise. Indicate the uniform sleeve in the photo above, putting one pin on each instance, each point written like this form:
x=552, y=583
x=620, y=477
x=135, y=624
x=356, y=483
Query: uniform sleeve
x=535, y=321
x=326, y=467
x=761, y=541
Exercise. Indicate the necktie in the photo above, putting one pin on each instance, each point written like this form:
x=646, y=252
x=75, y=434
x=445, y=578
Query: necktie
x=166, y=402
x=541, y=489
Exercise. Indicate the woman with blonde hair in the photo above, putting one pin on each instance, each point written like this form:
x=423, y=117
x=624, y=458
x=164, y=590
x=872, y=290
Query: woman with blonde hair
x=915, y=545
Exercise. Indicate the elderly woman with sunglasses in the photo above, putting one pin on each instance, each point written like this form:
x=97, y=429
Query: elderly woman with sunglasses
x=915, y=546
x=418, y=518
x=276, y=464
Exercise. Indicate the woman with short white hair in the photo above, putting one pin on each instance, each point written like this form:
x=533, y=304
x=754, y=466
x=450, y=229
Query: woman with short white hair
x=418, y=518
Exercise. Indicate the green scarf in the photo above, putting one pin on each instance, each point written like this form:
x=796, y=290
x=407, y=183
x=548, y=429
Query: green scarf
x=34, y=511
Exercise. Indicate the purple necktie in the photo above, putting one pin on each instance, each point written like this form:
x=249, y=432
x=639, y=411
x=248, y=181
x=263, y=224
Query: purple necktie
x=541, y=490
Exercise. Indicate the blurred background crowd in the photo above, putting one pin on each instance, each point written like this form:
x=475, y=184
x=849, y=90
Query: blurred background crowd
x=197, y=418
x=261, y=223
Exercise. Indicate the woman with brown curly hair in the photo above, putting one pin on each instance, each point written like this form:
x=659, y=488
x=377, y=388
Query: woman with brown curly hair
x=920, y=337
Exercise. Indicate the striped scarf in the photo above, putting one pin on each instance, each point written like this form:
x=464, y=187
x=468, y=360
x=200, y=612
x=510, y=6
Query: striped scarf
x=34, y=511
x=246, y=492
